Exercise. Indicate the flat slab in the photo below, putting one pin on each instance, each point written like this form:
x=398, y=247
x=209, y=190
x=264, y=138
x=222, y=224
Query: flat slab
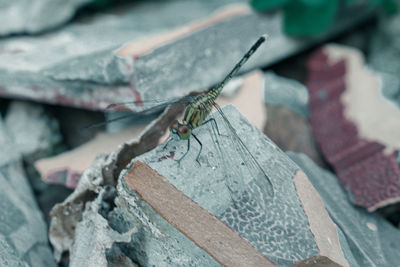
x=112, y=58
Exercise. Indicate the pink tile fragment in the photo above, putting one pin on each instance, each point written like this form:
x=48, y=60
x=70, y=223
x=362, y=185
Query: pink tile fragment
x=365, y=170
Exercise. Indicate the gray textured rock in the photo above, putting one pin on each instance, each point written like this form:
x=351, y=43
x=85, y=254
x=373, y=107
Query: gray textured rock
x=35, y=134
x=25, y=16
x=384, y=56
x=206, y=56
x=371, y=240
x=33, y=131
x=103, y=174
x=277, y=226
x=79, y=65
x=286, y=92
x=23, y=235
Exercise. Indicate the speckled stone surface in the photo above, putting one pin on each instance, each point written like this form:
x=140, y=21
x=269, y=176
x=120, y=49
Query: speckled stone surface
x=366, y=238
x=277, y=226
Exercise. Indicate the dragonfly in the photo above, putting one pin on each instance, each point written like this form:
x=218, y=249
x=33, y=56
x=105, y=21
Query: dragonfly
x=196, y=114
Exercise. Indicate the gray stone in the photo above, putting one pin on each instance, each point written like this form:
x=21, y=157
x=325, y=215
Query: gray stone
x=286, y=92
x=103, y=174
x=384, y=56
x=371, y=240
x=231, y=187
x=25, y=16
x=94, y=236
x=23, y=232
x=32, y=129
x=79, y=65
x=206, y=56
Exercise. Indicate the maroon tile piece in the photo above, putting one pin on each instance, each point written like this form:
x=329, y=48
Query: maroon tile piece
x=370, y=175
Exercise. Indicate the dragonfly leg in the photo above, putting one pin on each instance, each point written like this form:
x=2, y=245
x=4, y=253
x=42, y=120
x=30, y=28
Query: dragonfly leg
x=187, y=151
x=215, y=124
x=201, y=147
x=166, y=143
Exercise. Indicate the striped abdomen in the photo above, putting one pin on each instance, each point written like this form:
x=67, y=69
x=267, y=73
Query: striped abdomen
x=197, y=111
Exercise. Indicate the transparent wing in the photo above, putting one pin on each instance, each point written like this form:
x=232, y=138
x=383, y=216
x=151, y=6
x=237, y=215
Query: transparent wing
x=248, y=158
x=156, y=106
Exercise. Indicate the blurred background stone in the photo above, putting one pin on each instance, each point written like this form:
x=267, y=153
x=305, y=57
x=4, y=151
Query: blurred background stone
x=23, y=235
x=90, y=64
x=370, y=240
x=21, y=16
x=361, y=146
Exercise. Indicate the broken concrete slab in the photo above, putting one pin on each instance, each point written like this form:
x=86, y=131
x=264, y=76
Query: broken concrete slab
x=104, y=172
x=249, y=91
x=34, y=132
x=224, y=186
x=23, y=235
x=67, y=168
x=287, y=109
x=166, y=245
x=361, y=146
x=32, y=17
x=384, y=56
x=84, y=65
x=372, y=241
x=281, y=91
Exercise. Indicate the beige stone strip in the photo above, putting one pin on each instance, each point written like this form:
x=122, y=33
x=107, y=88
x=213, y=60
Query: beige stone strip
x=196, y=223
x=321, y=225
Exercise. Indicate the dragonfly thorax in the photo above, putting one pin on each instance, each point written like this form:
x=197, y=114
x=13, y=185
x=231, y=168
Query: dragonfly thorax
x=179, y=131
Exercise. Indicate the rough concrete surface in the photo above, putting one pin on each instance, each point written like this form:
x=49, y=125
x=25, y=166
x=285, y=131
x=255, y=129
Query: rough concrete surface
x=370, y=239
x=26, y=16
x=230, y=187
x=23, y=235
x=86, y=64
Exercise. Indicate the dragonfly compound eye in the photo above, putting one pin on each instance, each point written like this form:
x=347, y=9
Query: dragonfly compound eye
x=183, y=129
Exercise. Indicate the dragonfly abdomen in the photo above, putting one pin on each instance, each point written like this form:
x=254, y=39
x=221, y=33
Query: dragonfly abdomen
x=197, y=111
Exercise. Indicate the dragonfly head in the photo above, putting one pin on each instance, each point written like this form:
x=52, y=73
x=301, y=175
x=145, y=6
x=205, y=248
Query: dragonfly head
x=179, y=131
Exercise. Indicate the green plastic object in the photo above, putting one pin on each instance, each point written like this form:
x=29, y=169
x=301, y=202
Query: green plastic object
x=309, y=17
x=268, y=5
x=314, y=17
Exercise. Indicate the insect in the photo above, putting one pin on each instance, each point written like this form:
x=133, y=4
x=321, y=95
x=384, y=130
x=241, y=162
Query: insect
x=197, y=110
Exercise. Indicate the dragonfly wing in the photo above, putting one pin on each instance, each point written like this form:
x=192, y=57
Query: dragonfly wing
x=247, y=157
x=153, y=105
x=157, y=107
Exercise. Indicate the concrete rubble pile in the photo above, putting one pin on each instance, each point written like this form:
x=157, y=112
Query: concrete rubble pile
x=308, y=174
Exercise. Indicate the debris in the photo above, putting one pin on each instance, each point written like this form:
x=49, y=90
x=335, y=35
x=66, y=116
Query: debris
x=250, y=92
x=361, y=146
x=103, y=172
x=21, y=16
x=286, y=92
x=95, y=64
x=287, y=125
x=67, y=168
x=370, y=240
x=289, y=227
x=23, y=236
